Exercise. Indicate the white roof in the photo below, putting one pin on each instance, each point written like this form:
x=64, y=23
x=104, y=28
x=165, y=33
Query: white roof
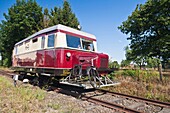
x=59, y=27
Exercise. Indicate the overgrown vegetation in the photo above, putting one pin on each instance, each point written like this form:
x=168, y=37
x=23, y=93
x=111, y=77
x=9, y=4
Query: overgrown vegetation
x=19, y=99
x=26, y=98
x=142, y=83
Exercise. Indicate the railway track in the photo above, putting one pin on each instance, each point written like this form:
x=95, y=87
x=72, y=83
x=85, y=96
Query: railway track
x=110, y=105
x=6, y=73
x=127, y=103
x=119, y=102
x=148, y=101
x=113, y=100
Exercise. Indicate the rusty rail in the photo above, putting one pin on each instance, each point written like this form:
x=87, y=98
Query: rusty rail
x=110, y=105
x=149, y=101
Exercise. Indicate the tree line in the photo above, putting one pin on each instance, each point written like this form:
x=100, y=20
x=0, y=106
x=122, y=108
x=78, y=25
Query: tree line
x=26, y=17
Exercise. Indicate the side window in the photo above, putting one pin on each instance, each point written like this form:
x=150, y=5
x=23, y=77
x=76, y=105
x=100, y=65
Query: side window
x=43, y=42
x=51, y=40
x=34, y=40
x=73, y=41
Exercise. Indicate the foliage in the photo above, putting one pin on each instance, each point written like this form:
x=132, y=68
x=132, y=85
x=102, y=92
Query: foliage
x=125, y=63
x=23, y=19
x=143, y=83
x=143, y=75
x=149, y=31
x=54, y=106
x=46, y=18
x=141, y=60
x=63, y=16
x=113, y=64
x=152, y=62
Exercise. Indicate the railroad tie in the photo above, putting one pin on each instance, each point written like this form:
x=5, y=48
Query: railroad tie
x=136, y=105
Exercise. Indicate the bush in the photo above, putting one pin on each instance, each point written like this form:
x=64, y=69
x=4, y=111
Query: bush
x=132, y=73
x=143, y=75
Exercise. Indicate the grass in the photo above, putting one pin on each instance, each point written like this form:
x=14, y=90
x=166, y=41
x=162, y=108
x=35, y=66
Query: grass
x=142, y=83
x=26, y=98
x=4, y=68
x=19, y=99
x=54, y=106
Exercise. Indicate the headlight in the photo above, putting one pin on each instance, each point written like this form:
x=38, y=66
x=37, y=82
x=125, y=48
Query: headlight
x=68, y=54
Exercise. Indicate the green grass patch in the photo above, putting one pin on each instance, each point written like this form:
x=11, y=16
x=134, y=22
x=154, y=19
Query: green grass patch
x=54, y=106
x=139, y=75
x=19, y=99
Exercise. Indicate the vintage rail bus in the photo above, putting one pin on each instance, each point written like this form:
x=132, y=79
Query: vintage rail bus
x=57, y=50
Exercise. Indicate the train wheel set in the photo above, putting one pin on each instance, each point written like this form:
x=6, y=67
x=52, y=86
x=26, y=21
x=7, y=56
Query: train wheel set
x=86, y=80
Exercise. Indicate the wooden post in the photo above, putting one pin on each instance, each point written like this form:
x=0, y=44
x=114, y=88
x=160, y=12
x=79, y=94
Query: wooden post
x=160, y=71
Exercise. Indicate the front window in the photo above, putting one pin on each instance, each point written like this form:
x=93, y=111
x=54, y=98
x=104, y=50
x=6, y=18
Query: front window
x=87, y=44
x=73, y=41
x=51, y=40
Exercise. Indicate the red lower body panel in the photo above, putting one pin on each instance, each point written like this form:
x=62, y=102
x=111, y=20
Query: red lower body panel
x=57, y=58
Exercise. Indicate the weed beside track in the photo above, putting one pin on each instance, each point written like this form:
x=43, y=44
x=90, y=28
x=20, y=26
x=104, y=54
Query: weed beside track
x=142, y=83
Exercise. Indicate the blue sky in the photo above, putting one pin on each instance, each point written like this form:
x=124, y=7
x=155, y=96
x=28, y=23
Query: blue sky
x=98, y=17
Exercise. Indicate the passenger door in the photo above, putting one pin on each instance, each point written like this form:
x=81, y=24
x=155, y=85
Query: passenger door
x=50, y=51
x=41, y=54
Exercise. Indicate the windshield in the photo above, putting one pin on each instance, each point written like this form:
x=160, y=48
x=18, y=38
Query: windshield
x=77, y=42
x=73, y=41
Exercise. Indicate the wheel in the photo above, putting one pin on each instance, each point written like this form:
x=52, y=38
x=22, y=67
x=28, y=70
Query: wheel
x=92, y=75
x=44, y=81
x=77, y=70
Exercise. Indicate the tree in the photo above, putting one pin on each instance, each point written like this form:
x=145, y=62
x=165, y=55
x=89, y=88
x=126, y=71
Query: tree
x=113, y=64
x=64, y=16
x=125, y=63
x=23, y=19
x=152, y=62
x=131, y=57
x=141, y=60
x=149, y=30
x=46, y=18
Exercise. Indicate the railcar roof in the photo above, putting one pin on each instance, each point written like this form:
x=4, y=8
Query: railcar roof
x=58, y=27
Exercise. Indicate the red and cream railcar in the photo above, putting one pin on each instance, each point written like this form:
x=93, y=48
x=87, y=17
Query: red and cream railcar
x=56, y=50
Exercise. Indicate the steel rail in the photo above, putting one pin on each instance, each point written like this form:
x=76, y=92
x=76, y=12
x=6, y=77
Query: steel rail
x=110, y=105
x=97, y=101
x=2, y=72
x=148, y=101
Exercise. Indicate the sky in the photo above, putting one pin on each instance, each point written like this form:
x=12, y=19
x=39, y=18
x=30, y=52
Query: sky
x=98, y=17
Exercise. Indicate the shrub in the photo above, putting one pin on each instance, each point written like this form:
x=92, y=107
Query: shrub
x=143, y=75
